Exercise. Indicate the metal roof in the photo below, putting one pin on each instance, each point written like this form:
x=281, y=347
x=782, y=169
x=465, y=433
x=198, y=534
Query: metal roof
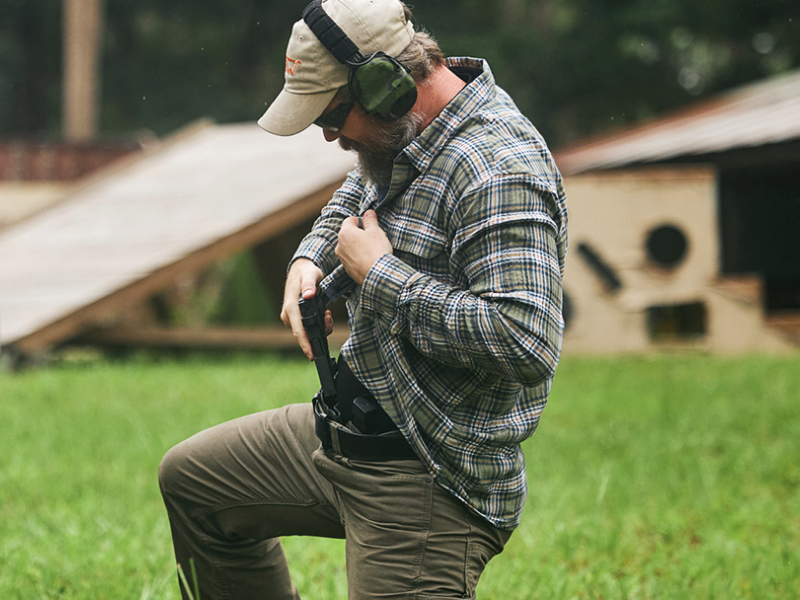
x=161, y=210
x=766, y=112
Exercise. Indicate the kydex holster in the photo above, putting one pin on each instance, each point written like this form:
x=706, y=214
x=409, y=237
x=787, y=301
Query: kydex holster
x=365, y=415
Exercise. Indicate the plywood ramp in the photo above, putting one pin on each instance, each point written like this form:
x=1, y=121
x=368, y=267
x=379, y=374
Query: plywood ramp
x=117, y=241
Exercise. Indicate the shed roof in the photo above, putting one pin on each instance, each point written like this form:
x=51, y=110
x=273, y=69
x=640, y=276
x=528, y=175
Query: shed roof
x=211, y=192
x=758, y=114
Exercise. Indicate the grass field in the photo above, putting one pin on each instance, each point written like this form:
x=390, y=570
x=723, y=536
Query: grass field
x=665, y=477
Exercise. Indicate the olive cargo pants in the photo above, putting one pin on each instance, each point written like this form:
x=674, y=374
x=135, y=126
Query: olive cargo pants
x=233, y=490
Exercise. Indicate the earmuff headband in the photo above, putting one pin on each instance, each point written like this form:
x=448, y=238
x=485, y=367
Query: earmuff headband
x=331, y=35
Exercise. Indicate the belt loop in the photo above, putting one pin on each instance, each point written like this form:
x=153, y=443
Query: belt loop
x=337, y=449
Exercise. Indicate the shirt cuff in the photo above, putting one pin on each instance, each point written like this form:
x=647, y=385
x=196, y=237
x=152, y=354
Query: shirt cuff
x=317, y=250
x=381, y=291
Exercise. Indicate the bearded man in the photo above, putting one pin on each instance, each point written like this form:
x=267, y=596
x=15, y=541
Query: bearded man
x=448, y=242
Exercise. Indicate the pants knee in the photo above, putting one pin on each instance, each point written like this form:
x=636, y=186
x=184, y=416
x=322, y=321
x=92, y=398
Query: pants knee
x=172, y=469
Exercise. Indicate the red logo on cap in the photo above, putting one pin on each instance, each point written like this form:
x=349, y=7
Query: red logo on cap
x=291, y=65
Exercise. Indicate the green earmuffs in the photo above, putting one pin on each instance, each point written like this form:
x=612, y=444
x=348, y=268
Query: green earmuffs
x=379, y=83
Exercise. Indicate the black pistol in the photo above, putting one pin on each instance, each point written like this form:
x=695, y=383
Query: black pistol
x=312, y=311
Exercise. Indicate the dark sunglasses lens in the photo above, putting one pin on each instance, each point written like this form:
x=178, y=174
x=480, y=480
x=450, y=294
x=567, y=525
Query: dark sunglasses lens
x=335, y=119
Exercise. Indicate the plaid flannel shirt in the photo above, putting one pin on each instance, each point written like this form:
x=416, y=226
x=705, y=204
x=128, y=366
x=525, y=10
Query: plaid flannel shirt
x=458, y=332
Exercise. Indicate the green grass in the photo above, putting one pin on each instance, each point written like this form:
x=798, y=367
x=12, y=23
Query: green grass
x=664, y=477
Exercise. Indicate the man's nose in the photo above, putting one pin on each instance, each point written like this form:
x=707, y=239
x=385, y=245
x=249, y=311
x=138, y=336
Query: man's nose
x=330, y=136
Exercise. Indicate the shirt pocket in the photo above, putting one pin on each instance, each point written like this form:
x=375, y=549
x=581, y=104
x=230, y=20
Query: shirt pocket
x=411, y=234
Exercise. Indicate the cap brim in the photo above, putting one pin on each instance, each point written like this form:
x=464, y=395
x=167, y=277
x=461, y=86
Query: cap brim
x=292, y=113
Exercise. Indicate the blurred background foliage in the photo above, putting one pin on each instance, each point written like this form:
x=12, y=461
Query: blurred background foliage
x=575, y=67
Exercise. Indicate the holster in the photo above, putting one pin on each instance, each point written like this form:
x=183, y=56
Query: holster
x=339, y=439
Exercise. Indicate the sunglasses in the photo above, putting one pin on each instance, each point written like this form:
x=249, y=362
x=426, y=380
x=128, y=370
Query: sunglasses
x=334, y=119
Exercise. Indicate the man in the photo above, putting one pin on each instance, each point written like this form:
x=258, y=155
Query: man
x=448, y=241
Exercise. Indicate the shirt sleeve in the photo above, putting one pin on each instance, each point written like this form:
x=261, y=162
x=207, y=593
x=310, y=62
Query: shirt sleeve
x=320, y=244
x=508, y=319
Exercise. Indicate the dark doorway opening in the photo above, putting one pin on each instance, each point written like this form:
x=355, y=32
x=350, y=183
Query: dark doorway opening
x=760, y=229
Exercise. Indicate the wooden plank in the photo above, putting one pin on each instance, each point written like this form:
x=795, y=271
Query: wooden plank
x=275, y=337
x=787, y=323
x=105, y=309
x=747, y=289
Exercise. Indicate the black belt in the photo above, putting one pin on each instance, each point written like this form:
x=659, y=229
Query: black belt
x=336, y=437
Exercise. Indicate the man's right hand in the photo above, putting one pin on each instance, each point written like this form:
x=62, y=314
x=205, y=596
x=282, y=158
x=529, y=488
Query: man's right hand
x=303, y=278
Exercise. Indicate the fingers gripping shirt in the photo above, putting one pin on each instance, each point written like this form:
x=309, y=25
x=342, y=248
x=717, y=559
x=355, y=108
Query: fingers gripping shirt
x=458, y=332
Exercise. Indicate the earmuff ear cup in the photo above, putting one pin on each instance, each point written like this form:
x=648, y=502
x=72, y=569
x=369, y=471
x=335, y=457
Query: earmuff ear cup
x=383, y=88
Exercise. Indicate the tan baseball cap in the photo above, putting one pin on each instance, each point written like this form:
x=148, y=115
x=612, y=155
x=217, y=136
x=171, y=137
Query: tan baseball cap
x=313, y=76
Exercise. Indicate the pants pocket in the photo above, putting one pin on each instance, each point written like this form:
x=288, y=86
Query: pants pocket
x=387, y=494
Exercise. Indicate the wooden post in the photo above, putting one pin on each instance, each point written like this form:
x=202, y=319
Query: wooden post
x=83, y=25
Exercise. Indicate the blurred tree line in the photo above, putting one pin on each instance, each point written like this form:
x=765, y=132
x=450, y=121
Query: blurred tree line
x=575, y=67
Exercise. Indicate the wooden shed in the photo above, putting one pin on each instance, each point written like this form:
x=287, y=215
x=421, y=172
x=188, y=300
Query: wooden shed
x=684, y=232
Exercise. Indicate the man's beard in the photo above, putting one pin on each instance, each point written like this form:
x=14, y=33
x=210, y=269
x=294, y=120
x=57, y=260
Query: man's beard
x=386, y=140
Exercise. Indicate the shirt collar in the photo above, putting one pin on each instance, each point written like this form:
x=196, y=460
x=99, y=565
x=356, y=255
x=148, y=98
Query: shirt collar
x=479, y=90
x=417, y=156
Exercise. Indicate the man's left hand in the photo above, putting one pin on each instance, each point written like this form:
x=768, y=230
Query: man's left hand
x=359, y=249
